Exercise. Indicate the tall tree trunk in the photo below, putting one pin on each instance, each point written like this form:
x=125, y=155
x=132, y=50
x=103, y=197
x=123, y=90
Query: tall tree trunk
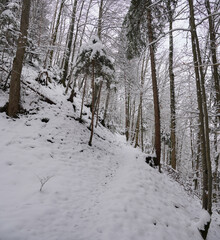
x=197, y=161
x=142, y=128
x=172, y=91
x=85, y=23
x=154, y=83
x=83, y=97
x=97, y=104
x=69, y=44
x=203, y=120
x=57, y=57
x=215, y=175
x=54, y=36
x=137, y=129
x=206, y=125
x=213, y=49
x=99, y=31
x=73, y=51
x=132, y=119
x=93, y=103
x=51, y=32
x=15, y=84
x=106, y=106
x=139, y=124
x=77, y=31
x=127, y=109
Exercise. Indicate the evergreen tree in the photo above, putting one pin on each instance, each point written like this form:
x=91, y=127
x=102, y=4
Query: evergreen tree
x=93, y=62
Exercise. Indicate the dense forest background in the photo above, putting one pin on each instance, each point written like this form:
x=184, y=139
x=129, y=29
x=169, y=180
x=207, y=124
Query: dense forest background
x=147, y=69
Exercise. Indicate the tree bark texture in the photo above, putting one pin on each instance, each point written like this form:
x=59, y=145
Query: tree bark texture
x=203, y=120
x=137, y=128
x=106, y=107
x=97, y=104
x=213, y=49
x=215, y=70
x=15, y=84
x=172, y=91
x=93, y=103
x=127, y=109
x=83, y=97
x=154, y=83
x=99, y=33
x=100, y=19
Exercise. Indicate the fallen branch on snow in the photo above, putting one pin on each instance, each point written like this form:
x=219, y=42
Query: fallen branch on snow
x=46, y=99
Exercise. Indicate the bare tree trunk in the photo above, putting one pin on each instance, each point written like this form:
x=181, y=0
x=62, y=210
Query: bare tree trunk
x=132, y=115
x=213, y=49
x=100, y=19
x=51, y=32
x=93, y=103
x=69, y=44
x=197, y=162
x=127, y=109
x=57, y=58
x=215, y=74
x=83, y=97
x=77, y=31
x=154, y=83
x=172, y=91
x=142, y=128
x=85, y=23
x=97, y=85
x=15, y=84
x=203, y=120
x=137, y=126
x=97, y=104
x=106, y=107
x=54, y=36
x=139, y=117
x=54, y=19
x=74, y=49
x=215, y=174
x=164, y=152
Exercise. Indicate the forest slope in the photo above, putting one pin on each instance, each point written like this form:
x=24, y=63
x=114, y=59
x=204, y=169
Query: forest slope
x=102, y=192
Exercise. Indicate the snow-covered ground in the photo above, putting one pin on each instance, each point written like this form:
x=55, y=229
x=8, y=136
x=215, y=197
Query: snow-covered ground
x=102, y=192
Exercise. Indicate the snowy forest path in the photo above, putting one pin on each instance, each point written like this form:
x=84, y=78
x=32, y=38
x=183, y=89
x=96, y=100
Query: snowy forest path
x=106, y=215
x=101, y=192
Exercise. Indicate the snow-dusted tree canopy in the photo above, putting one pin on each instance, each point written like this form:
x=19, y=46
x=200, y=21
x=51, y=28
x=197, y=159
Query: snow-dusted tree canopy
x=94, y=53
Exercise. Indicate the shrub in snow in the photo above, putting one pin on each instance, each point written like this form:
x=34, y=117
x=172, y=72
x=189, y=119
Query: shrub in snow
x=43, y=181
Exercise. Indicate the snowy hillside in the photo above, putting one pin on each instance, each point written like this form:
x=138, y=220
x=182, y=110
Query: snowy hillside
x=102, y=192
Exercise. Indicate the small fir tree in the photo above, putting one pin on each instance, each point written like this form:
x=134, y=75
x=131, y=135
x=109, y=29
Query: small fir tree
x=93, y=62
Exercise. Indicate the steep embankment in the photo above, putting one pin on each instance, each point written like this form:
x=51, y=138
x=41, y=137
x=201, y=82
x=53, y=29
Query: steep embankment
x=102, y=192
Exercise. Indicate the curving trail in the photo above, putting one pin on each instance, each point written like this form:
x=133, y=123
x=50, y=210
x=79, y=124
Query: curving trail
x=103, y=192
